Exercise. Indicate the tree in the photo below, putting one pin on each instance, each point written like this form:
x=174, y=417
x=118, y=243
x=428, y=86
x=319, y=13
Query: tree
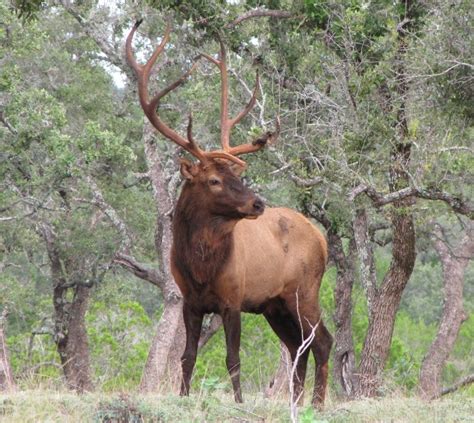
x=454, y=260
x=50, y=143
x=7, y=382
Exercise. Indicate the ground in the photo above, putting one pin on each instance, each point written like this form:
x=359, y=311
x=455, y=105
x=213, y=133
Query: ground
x=217, y=406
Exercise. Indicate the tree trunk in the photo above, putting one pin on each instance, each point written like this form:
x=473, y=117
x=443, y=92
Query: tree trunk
x=384, y=300
x=454, y=263
x=344, y=368
x=385, y=304
x=280, y=383
x=7, y=383
x=344, y=356
x=70, y=333
x=71, y=338
x=163, y=362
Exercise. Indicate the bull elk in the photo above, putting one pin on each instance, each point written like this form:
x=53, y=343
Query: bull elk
x=230, y=253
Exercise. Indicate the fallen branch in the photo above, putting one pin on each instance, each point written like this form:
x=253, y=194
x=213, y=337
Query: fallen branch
x=463, y=382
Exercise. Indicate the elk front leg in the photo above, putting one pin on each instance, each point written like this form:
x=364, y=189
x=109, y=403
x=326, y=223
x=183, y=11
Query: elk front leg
x=192, y=322
x=231, y=321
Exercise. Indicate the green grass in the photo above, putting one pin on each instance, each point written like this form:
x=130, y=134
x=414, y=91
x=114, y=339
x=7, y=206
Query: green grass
x=218, y=406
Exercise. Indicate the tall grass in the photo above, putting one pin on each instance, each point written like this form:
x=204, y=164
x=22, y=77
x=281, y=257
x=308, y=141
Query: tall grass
x=216, y=405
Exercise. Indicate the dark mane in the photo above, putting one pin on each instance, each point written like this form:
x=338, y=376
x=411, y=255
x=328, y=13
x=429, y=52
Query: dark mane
x=202, y=244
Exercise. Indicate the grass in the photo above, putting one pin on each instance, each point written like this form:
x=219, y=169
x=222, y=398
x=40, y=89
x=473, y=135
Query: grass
x=218, y=406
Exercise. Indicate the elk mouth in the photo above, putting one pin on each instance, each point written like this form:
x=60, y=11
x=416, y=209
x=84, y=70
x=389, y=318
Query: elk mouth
x=253, y=209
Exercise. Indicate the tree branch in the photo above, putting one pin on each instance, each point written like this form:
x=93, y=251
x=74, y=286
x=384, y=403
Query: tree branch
x=7, y=124
x=303, y=182
x=110, y=212
x=260, y=13
x=101, y=41
x=463, y=382
x=141, y=271
x=456, y=203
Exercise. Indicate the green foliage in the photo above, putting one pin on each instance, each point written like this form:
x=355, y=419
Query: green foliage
x=97, y=144
x=28, y=9
x=256, y=367
x=112, y=325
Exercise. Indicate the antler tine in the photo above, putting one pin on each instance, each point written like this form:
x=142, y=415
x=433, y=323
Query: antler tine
x=149, y=107
x=227, y=123
x=257, y=144
x=213, y=154
x=250, y=104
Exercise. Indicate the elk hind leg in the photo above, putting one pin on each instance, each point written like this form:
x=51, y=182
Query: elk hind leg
x=310, y=324
x=284, y=326
x=321, y=348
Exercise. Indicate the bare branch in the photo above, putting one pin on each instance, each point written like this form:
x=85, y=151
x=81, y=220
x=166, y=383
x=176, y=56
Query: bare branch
x=140, y=270
x=464, y=382
x=110, y=212
x=305, y=183
x=260, y=13
x=7, y=124
x=457, y=204
x=89, y=28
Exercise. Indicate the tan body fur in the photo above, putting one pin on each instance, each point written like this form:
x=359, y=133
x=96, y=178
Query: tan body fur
x=277, y=254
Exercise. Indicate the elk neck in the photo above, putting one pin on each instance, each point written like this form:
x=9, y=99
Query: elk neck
x=202, y=241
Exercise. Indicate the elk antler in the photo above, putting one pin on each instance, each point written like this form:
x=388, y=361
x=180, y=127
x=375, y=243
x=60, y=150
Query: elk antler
x=228, y=123
x=150, y=106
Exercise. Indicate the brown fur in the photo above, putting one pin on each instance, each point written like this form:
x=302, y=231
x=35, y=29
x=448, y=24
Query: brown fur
x=225, y=263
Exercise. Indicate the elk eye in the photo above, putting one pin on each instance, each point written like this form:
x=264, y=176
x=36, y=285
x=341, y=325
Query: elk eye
x=214, y=181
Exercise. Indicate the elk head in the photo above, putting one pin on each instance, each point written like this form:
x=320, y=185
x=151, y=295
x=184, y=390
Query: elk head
x=215, y=177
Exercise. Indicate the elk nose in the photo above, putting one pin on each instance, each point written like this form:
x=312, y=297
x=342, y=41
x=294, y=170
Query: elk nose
x=258, y=206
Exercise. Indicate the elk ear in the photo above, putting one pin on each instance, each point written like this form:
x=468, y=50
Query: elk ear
x=188, y=169
x=237, y=169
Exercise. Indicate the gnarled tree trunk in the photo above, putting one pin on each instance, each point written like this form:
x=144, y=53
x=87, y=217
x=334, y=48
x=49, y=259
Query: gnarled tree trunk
x=70, y=333
x=71, y=337
x=383, y=301
x=7, y=383
x=344, y=355
x=454, y=262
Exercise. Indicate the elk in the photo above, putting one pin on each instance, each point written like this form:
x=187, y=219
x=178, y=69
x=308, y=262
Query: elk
x=230, y=253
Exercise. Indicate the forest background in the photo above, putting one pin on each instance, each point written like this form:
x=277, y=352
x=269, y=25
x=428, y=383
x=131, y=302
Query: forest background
x=376, y=106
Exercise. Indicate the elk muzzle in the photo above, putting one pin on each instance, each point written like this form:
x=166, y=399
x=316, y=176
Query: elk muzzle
x=254, y=208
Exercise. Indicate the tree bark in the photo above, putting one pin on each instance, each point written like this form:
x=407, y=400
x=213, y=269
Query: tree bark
x=70, y=335
x=385, y=304
x=344, y=368
x=280, y=383
x=386, y=298
x=454, y=263
x=7, y=382
x=163, y=363
x=71, y=338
